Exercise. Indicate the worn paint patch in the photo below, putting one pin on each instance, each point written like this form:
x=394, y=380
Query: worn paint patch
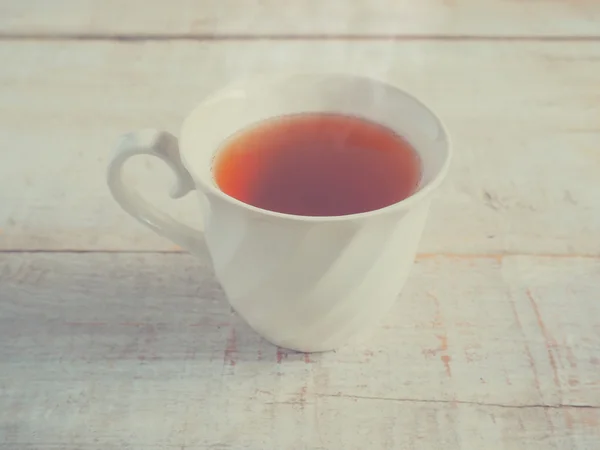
x=549, y=341
x=534, y=371
x=230, y=352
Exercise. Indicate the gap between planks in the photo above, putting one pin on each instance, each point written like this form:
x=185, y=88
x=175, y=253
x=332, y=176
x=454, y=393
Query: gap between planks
x=420, y=256
x=287, y=37
x=454, y=402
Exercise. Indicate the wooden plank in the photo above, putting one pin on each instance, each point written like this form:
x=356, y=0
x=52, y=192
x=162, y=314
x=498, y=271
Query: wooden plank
x=180, y=18
x=142, y=351
x=523, y=117
x=181, y=421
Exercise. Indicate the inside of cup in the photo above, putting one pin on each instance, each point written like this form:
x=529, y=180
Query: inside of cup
x=246, y=104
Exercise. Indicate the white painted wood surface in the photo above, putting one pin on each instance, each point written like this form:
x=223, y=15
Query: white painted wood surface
x=179, y=18
x=112, y=339
x=142, y=350
x=524, y=118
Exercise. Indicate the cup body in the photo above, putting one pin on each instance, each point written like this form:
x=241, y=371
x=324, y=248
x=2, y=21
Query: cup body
x=311, y=283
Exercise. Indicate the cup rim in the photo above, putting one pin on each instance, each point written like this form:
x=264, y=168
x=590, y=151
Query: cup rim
x=406, y=203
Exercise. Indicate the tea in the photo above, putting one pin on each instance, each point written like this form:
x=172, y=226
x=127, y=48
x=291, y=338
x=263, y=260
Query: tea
x=317, y=165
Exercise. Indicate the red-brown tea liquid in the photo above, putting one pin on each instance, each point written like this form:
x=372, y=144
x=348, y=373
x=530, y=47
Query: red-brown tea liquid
x=317, y=165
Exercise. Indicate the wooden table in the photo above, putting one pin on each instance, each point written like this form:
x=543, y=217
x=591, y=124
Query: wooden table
x=112, y=338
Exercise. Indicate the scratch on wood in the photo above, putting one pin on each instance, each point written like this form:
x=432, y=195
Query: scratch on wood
x=571, y=357
x=500, y=256
x=585, y=417
x=446, y=360
x=128, y=349
x=280, y=355
x=205, y=323
x=262, y=391
x=438, y=322
x=190, y=352
x=302, y=396
x=471, y=352
x=85, y=324
x=230, y=348
x=298, y=399
x=569, y=198
x=568, y=418
x=283, y=354
x=151, y=336
x=590, y=418
x=463, y=257
x=29, y=274
x=544, y=406
x=536, y=378
x=437, y=318
x=443, y=342
x=491, y=201
x=549, y=341
x=387, y=37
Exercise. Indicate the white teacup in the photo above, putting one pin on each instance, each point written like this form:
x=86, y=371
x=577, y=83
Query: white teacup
x=304, y=283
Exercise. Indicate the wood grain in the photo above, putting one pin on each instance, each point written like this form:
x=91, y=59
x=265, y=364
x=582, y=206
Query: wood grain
x=493, y=344
x=142, y=351
x=523, y=118
x=307, y=18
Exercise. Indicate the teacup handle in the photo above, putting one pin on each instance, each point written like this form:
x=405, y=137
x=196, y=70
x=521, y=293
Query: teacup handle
x=164, y=146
